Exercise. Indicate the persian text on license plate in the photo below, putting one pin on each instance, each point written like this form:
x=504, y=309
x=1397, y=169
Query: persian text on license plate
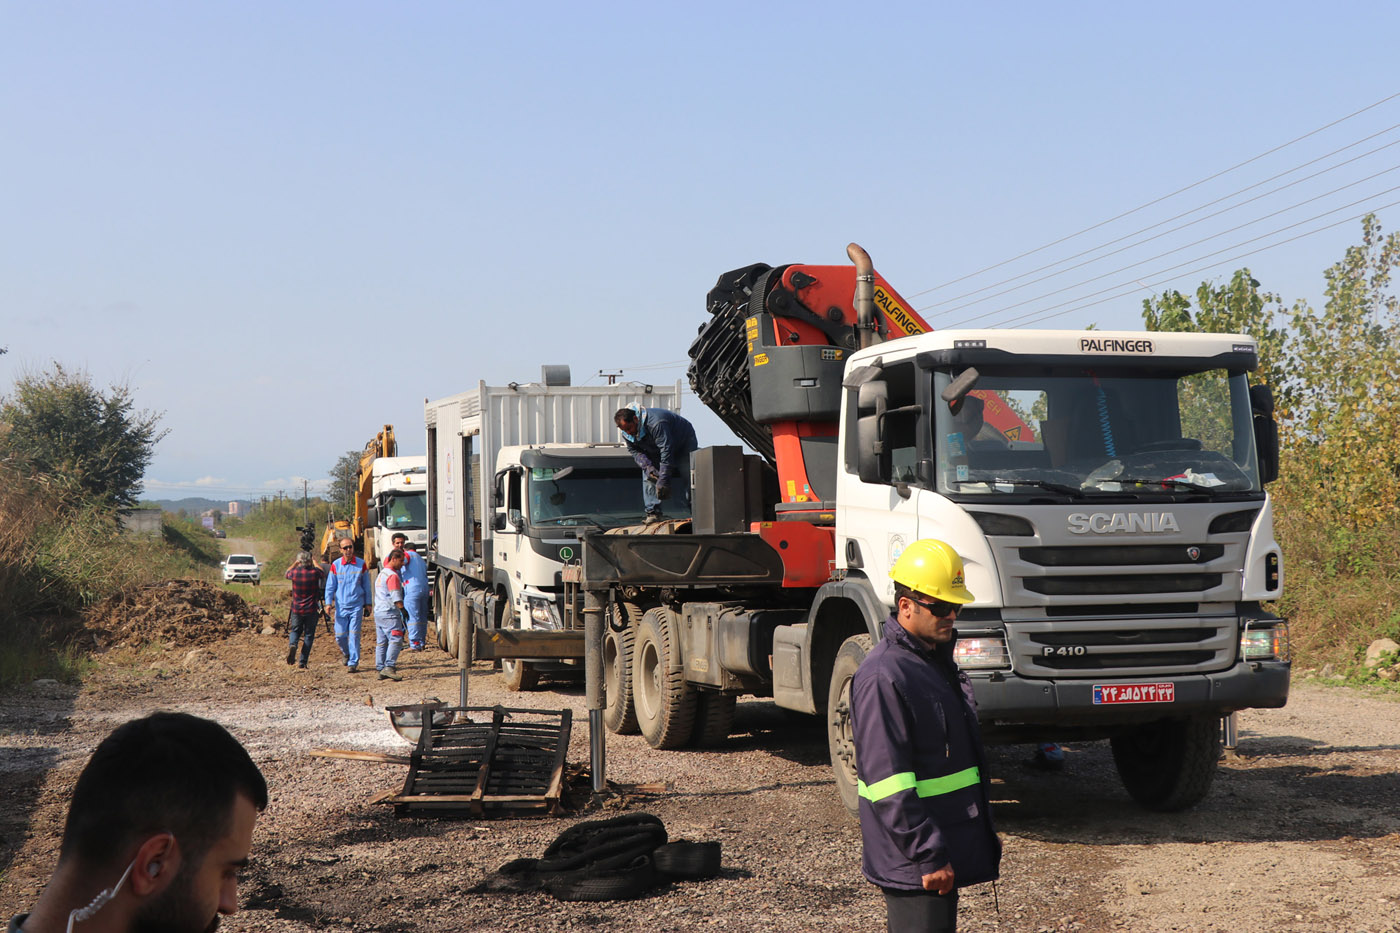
x=1134, y=693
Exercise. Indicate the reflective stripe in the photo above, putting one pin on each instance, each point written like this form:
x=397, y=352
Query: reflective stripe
x=928, y=787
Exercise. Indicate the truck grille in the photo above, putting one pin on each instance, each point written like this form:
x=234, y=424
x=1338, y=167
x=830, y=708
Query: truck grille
x=1105, y=647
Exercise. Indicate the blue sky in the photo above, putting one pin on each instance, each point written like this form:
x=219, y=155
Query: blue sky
x=285, y=225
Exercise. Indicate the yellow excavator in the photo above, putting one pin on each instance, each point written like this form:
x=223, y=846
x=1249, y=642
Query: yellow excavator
x=382, y=445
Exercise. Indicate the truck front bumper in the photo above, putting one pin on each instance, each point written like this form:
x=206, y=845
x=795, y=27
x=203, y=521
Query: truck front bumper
x=1007, y=701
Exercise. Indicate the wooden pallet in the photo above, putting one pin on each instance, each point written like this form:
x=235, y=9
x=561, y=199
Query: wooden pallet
x=488, y=759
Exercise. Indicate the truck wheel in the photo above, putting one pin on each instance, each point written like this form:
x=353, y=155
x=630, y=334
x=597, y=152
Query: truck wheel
x=519, y=675
x=1169, y=766
x=714, y=718
x=438, y=602
x=619, y=637
x=447, y=623
x=665, y=702
x=839, y=739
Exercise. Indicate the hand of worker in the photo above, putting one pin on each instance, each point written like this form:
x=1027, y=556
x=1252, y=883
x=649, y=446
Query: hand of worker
x=941, y=881
x=663, y=491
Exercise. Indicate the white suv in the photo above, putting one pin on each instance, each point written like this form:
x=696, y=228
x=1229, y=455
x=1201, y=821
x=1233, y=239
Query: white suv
x=242, y=568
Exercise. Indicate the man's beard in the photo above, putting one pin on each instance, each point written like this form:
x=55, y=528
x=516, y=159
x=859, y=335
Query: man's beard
x=176, y=910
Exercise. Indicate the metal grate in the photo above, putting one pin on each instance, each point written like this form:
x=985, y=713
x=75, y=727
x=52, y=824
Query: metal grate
x=487, y=759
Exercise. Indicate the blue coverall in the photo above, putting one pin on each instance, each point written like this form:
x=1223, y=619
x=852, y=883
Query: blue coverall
x=347, y=586
x=415, y=597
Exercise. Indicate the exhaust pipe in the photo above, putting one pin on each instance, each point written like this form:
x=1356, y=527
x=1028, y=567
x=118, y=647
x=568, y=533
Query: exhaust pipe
x=866, y=335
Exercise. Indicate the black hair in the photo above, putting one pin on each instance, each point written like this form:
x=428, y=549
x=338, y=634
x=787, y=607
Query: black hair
x=902, y=592
x=396, y=552
x=167, y=772
x=623, y=414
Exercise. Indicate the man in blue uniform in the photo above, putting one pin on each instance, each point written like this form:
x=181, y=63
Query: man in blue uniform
x=415, y=591
x=661, y=442
x=925, y=817
x=347, y=594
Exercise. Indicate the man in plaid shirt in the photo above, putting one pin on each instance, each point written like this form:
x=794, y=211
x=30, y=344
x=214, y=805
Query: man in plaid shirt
x=308, y=583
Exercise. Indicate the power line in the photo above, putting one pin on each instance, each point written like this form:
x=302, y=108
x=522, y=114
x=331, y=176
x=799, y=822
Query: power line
x=1164, y=197
x=1138, y=286
x=1186, y=245
x=1193, y=210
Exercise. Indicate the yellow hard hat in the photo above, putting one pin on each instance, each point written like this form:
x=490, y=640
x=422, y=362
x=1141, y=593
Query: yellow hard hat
x=933, y=568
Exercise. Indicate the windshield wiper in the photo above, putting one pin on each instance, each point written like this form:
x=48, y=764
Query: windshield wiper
x=1043, y=484
x=1171, y=483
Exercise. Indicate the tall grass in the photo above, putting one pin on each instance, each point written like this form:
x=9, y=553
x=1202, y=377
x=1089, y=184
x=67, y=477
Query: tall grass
x=61, y=553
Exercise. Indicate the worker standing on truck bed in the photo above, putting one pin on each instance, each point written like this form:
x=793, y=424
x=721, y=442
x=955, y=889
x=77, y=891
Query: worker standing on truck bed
x=925, y=817
x=347, y=594
x=661, y=442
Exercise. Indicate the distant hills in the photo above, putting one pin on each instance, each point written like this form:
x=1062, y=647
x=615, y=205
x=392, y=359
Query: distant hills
x=195, y=505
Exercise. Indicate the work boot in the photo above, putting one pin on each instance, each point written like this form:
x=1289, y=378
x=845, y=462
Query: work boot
x=391, y=674
x=292, y=654
x=301, y=666
x=653, y=518
x=352, y=669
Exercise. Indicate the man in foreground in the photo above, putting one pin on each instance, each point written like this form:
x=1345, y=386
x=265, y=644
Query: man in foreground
x=159, y=827
x=925, y=817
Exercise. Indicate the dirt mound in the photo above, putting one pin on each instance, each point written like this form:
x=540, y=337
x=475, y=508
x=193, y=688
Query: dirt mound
x=178, y=613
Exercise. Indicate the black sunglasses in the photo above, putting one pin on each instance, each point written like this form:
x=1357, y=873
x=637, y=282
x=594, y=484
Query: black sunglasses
x=940, y=608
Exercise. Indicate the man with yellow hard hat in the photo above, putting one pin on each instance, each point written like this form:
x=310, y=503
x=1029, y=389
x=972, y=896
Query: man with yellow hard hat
x=925, y=817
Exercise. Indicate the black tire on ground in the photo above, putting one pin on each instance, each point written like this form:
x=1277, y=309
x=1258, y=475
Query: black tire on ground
x=620, y=634
x=518, y=675
x=714, y=718
x=610, y=884
x=1169, y=766
x=665, y=703
x=450, y=606
x=840, y=742
x=689, y=861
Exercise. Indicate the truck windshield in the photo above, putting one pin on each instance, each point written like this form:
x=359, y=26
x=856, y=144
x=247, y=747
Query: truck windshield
x=1090, y=434
x=406, y=511
x=607, y=498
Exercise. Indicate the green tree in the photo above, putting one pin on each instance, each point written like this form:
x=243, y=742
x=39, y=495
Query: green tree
x=1238, y=307
x=64, y=426
x=345, y=483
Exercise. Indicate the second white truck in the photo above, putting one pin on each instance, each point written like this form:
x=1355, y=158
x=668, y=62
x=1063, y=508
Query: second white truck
x=515, y=475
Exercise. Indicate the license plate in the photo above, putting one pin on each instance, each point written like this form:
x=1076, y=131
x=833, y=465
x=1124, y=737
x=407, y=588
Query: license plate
x=1134, y=693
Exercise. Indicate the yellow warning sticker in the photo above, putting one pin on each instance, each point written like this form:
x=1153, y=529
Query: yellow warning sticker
x=760, y=359
x=896, y=312
x=792, y=490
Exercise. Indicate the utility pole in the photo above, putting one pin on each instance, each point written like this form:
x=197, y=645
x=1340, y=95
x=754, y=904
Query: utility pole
x=612, y=377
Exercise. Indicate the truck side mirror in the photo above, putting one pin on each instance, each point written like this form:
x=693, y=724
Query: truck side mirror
x=498, y=521
x=373, y=517
x=871, y=460
x=956, y=391
x=1261, y=401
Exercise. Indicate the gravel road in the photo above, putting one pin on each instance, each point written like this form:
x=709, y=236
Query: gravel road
x=1301, y=831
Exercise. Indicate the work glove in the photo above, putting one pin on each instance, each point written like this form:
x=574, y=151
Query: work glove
x=652, y=475
x=663, y=491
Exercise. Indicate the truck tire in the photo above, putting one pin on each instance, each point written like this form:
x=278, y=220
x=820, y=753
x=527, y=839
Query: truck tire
x=447, y=624
x=714, y=718
x=619, y=637
x=518, y=675
x=439, y=602
x=665, y=703
x=839, y=739
x=1169, y=766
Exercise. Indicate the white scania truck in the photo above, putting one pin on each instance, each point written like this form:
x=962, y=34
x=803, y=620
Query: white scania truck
x=515, y=474
x=1106, y=492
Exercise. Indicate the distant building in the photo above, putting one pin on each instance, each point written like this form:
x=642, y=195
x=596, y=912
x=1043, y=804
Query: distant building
x=140, y=521
x=233, y=508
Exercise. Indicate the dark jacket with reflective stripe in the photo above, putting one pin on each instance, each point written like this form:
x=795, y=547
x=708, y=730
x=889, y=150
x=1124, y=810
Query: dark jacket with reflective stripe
x=919, y=757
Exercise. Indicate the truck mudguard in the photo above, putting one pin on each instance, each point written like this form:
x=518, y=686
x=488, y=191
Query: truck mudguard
x=839, y=610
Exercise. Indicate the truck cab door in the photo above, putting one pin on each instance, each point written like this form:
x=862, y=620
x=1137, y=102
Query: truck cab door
x=508, y=519
x=880, y=493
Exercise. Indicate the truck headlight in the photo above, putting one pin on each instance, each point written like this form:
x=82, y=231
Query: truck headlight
x=1264, y=641
x=542, y=613
x=983, y=653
